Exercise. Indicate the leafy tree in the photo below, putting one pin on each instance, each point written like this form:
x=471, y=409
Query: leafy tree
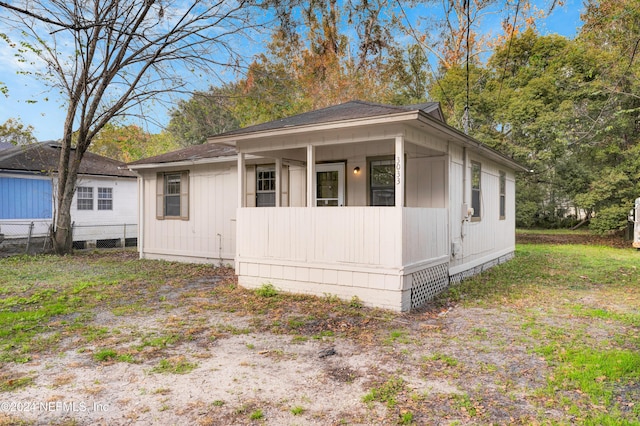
x=110, y=58
x=130, y=143
x=608, y=115
x=15, y=133
x=204, y=114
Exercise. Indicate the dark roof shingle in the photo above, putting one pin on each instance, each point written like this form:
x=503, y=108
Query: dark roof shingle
x=192, y=153
x=43, y=157
x=351, y=110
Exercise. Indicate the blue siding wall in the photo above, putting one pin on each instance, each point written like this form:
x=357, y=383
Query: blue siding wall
x=25, y=198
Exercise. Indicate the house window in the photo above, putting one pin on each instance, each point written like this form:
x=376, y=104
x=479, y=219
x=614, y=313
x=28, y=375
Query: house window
x=105, y=198
x=476, y=191
x=85, y=198
x=382, y=182
x=503, y=190
x=265, y=187
x=172, y=195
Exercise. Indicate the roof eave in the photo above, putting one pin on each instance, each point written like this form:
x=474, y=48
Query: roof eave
x=231, y=140
x=469, y=142
x=181, y=163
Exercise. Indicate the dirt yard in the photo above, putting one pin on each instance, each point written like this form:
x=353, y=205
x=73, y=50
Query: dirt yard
x=203, y=352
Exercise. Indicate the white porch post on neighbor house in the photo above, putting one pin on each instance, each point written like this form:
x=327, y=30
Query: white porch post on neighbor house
x=278, y=181
x=311, y=174
x=241, y=181
x=399, y=179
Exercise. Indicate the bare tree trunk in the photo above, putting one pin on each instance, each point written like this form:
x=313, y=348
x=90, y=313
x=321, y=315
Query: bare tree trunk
x=67, y=176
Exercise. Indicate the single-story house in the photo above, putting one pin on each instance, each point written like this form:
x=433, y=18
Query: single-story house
x=105, y=198
x=385, y=203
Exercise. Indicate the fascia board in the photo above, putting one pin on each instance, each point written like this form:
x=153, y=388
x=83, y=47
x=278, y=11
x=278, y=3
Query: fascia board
x=183, y=163
x=332, y=125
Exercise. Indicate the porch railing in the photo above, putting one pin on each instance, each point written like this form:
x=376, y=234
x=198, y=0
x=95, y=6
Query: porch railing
x=364, y=236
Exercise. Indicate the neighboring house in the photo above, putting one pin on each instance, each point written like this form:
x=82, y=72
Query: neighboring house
x=384, y=203
x=105, y=193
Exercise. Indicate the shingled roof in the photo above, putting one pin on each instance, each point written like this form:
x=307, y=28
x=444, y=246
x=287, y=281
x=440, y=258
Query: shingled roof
x=192, y=153
x=347, y=111
x=43, y=157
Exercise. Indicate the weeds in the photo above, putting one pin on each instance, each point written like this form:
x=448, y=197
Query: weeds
x=267, y=290
x=387, y=393
x=175, y=365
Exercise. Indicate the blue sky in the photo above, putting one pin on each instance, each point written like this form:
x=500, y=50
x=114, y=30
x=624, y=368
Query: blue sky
x=47, y=117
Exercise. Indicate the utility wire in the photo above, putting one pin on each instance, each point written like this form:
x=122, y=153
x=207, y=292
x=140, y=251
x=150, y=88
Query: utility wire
x=415, y=36
x=506, y=59
x=466, y=118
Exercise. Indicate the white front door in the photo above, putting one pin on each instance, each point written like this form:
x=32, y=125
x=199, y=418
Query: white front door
x=330, y=184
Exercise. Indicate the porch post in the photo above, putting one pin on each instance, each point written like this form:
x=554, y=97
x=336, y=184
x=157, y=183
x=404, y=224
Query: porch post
x=399, y=179
x=241, y=181
x=278, y=181
x=311, y=174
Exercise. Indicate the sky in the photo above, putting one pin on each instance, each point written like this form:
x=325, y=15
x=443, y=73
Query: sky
x=47, y=116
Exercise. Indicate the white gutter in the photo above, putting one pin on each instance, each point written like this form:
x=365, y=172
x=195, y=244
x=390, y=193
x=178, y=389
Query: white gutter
x=403, y=117
x=183, y=163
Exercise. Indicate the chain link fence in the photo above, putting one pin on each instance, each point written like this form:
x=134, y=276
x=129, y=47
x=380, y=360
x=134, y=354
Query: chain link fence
x=34, y=237
x=105, y=236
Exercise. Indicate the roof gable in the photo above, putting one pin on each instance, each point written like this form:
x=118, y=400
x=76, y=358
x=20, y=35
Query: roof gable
x=351, y=110
x=43, y=157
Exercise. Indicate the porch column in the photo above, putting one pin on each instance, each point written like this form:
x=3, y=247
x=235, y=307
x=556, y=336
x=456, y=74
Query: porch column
x=242, y=184
x=278, y=181
x=399, y=179
x=311, y=174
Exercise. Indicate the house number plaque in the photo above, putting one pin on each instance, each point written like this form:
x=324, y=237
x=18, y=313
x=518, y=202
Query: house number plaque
x=398, y=167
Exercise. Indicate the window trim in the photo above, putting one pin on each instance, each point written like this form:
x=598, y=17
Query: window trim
x=502, y=195
x=161, y=179
x=109, y=191
x=80, y=190
x=269, y=169
x=370, y=187
x=477, y=209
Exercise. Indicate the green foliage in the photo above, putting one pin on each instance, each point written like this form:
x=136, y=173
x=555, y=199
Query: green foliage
x=203, y=115
x=9, y=384
x=267, y=290
x=610, y=218
x=387, y=393
x=14, y=132
x=105, y=355
x=129, y=143
x=256, y=415
x=297, y=410
x=176, y=365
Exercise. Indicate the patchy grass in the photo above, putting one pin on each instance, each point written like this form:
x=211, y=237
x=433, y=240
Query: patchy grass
x=387, y=393
x=175, y=365
x=551, y=337
x=11, y=382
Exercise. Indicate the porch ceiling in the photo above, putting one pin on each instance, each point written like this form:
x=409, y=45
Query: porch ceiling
x=299, y=153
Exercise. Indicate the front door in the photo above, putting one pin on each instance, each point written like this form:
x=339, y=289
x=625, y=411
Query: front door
x=330, y=184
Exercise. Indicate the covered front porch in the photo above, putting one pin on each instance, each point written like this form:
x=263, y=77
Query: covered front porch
x=364, y=216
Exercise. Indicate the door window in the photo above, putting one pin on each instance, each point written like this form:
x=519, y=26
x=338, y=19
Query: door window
x=330, y=184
